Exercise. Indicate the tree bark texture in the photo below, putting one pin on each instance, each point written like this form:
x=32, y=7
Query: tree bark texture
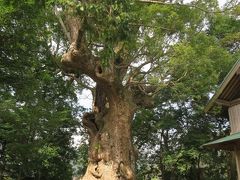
x=111, y=152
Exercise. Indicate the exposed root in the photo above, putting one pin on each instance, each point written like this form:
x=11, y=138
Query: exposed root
x=108, y=171
x=126, y=171
x=95, y=171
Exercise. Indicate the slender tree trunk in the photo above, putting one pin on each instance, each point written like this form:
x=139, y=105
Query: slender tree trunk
x=111, y=152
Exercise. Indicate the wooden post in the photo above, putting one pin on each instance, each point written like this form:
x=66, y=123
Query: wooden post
x=237, y=156
x=234, y=117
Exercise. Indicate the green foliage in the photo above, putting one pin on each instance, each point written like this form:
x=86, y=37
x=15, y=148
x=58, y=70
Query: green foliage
x=182, y=161
x=80, y=163
x=169, y=137
x=36, y=118
x=190, y=49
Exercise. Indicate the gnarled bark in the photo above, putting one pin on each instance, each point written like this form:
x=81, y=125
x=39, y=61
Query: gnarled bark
x=111, y=152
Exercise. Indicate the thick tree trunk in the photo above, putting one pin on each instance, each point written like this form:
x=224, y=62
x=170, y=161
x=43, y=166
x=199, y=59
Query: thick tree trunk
x=111, y=152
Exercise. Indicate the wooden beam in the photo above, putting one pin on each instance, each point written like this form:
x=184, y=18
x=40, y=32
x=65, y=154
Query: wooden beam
x=235, y=102
x=223, y=102
x=238, y=71
x=228, y=103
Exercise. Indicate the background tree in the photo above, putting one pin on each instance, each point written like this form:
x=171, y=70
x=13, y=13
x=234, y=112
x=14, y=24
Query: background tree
x=37, y=117
x=170, y=137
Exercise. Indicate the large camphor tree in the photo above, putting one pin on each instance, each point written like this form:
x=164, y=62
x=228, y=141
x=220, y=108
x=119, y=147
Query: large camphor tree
x=129, y=50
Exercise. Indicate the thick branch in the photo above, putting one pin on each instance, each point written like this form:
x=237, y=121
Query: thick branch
x=78, y=80
x=67, y=34
x=154, y=2
x=178, y=4
x=137, y=70
x=143, y=95
x=80, y=58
